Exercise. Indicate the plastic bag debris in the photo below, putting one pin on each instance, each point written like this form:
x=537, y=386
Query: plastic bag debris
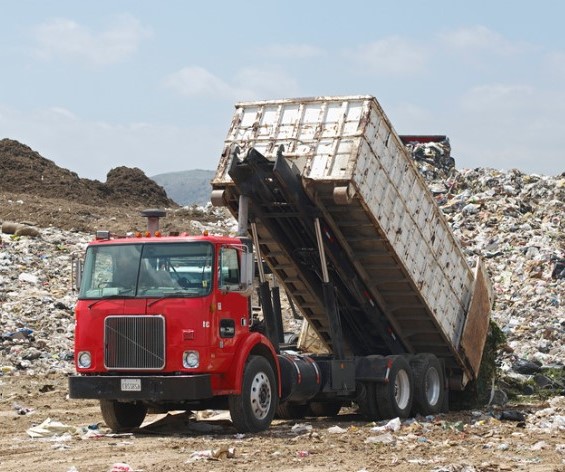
x=123, y=467
x=301, y=428
x=393, y=425
x=386, y=438
x=50, y=428
x=337, y=430
x=223, y=452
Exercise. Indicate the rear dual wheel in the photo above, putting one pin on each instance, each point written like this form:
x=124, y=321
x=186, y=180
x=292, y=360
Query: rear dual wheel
x=394, y=398
x=429, y=386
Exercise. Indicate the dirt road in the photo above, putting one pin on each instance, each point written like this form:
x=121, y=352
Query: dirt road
x=463, y=441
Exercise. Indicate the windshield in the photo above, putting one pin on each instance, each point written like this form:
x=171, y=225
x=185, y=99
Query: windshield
x=147, y=270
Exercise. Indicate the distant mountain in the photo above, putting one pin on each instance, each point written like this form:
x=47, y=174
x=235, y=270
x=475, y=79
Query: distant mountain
x=187, y=187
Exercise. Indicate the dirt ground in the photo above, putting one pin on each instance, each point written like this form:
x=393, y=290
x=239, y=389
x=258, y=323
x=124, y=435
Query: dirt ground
x=458, y=442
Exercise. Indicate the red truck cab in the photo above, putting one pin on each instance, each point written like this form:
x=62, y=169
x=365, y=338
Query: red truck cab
x=164, y=322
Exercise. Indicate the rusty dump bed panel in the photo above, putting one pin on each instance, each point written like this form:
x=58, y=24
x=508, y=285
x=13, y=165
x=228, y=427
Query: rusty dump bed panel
x=358, y=174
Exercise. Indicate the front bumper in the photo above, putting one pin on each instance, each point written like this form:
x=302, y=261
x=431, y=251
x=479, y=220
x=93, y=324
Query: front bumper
x=147, y=388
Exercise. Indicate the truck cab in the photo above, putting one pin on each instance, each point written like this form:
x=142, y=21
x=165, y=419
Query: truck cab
x=165, y=322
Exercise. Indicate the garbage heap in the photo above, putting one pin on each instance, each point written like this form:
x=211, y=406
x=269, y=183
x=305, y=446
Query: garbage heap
x=516, y=223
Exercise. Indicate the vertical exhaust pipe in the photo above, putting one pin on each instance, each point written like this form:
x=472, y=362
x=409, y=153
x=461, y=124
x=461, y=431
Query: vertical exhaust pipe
x=153, y=216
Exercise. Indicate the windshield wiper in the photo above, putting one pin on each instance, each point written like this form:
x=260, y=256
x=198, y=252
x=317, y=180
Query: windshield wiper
x=171, y=295
x=110, y=297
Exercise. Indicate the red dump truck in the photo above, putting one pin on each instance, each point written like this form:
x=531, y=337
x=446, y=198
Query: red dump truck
x=331, y=207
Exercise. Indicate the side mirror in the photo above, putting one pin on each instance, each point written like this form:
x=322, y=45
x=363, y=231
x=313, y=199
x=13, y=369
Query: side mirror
x=76, y=272
x=247, y=267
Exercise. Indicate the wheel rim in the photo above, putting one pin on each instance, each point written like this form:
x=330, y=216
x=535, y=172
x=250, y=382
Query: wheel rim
x=432, y=386
x=260, y=395
x=402, y=389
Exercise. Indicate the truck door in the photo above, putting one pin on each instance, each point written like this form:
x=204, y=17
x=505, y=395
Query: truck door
x=231, y=306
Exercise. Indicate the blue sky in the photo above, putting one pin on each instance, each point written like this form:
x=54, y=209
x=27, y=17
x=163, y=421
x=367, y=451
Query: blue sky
x=147, y=84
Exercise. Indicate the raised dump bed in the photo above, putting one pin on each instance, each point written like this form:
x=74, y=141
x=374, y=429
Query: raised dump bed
x=388, y=236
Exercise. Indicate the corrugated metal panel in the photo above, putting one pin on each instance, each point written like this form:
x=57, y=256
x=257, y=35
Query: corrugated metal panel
x=348, y=141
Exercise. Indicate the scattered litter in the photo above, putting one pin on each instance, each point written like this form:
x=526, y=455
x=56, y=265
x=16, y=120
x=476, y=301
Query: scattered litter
x=386, y=438
x=337, y=430
x=393, y=425
x=21, y=410
x=301, y=428
x=218, y=454
x=511, y=415
x=122, y=467
x=50, y=428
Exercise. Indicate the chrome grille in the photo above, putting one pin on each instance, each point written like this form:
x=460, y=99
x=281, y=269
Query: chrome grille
x=134, y=342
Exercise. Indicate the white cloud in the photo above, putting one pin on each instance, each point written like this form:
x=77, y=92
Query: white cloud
x=480, y=39
x=392, y=56
x=265, y=83
x=66, y=39
x=248, y=84
x=510, y=126
x=496, y=98
x=291, y=51
x=194, y=81
x=555, y=62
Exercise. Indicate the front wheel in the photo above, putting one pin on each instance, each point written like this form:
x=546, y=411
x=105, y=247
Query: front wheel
x=253, y=410
x=121, y=416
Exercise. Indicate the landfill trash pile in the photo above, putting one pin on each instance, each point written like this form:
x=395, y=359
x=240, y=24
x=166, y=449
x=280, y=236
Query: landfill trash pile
x=433, y=158
x=36, y=301
x=516, y=223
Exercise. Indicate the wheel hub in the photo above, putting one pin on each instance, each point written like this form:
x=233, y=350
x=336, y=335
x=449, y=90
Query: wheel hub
x=260, y=395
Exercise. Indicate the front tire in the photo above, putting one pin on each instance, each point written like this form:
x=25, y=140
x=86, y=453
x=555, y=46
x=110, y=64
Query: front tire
x=253, y=410
x=121, y=416
x=395, y=396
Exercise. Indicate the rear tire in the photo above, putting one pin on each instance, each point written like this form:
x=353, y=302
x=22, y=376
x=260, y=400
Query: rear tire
x=429, y=388
x=395, y=397
x=367, y=401
x=325, y=408
x=291, y=411
x=253, y=410
x=121, y=416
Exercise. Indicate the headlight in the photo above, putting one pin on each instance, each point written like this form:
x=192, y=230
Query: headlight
x=190, y=359
x=84, y=359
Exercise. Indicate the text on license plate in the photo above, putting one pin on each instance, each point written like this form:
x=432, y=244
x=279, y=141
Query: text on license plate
x=130, y=385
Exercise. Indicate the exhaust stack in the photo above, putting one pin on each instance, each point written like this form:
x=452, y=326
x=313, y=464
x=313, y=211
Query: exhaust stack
x=153, y=215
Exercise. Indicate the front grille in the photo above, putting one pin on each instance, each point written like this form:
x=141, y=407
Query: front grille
x=134, y=342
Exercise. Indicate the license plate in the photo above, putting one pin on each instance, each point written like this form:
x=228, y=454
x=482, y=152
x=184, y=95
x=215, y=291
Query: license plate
x=131, y=385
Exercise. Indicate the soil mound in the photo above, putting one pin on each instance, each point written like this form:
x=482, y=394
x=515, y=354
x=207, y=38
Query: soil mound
x=25, y=171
